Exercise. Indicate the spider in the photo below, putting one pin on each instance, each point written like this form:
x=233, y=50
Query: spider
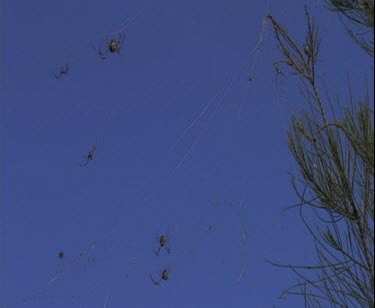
x=63, y=70
x=89, y=156
x=61, y=255
x=278, y=71
x=162, y=241
x=164, y=275
x=111, y=46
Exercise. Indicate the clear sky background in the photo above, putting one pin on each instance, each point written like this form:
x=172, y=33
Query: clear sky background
x=228, y=172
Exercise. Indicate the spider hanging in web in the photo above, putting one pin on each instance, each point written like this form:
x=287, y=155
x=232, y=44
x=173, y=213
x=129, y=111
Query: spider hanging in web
x=163, y=241
x=164, y=275
x=110, y=46
x=61, y=256
x=89, y=157
x=278, y=73
x=63, y=70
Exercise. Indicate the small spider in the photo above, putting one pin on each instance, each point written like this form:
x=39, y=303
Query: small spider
x=162, y=242
x=278, y=72
x=251, y=78
x=63, y=70
x=111, y=46
x=164, y=275
x=61, y=255
x=278, y=69
x=89, y=156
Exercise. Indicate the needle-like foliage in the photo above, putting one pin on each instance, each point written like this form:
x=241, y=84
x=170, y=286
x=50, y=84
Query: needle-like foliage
x=334, y=181
x=358, y=19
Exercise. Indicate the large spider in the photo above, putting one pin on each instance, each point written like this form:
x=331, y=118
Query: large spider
x=63, y=70
x=110, y=46
x=89, y=156
x=164, y=275
x=162, y=240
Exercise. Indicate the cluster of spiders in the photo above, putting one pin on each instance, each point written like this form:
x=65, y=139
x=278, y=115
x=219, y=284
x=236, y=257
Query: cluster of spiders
x=104, y=48
x=163, y=243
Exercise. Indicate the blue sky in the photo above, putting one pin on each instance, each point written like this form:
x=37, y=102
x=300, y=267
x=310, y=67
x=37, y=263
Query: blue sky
x=229, y=170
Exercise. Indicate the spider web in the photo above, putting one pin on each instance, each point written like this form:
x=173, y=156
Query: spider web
x=75, y=268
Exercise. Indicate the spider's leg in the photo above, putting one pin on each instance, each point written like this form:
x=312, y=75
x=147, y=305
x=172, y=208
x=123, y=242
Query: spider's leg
x=157, y=252
x=156, y=283
x=103, y=55
x=56, y=74
x=168, y=248
x=168, y=236
x=86, y=162
x=93, y=47
x=122, y=37
x=120, y=42
x=99, y=51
